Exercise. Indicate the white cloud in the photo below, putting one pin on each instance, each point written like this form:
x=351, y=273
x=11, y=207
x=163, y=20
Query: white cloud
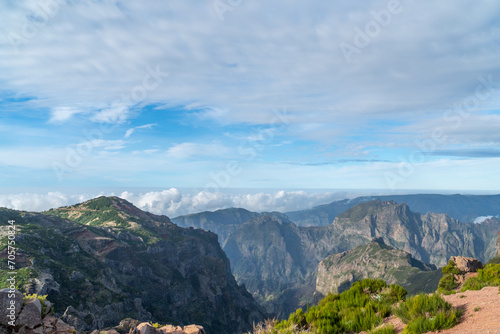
x=172, y=202
x=197, y=150
x=62, y=114
x=414, y=64
x=117, y=113
x=39, y=202
x=132, y=130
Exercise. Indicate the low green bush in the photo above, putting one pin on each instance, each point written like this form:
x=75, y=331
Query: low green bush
x=423, y=313
x=490, y=274
x=383, y=330
x=361, y=308
x=473, y=283
x=447, y=284
x=451, y=268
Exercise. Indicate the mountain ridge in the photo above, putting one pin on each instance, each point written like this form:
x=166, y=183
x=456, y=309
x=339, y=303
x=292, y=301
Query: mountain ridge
x=129, y=263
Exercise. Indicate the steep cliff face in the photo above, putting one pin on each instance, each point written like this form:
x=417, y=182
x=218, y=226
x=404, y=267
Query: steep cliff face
x=115, y=261
x=374, y=260
x=222, y=222
x=273, y=255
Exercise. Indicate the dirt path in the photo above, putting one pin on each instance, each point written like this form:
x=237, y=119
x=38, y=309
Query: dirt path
x=486, y=320
x=481, y=313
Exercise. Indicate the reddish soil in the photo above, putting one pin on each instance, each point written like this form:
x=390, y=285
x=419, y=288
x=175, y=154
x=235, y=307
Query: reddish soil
x=481, y=313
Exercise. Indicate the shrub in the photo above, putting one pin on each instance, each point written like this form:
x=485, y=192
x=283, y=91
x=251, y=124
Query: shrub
x=451, y=268
x=360, y=308
x=397, y=293
x=473, y=283
x=383, y=330
x=447, y=284
x=490, y=274
x=423, y=313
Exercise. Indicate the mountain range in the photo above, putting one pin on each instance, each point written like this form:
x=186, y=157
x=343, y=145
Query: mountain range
x=105, y=260
x=273, y=256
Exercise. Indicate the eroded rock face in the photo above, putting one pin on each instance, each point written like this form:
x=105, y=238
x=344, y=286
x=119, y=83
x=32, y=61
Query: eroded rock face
x=30, y=318
x=11, y=302
x=31, y=315
x=374, y=260
x=467, y=264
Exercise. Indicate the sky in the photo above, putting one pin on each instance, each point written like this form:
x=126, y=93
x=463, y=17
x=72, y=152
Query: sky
x=283, y=98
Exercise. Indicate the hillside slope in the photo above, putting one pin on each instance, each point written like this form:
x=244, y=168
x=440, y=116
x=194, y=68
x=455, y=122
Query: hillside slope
x=115, y=261
x=375, y=260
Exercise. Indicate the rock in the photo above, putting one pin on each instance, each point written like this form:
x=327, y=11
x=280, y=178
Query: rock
x=466, y=264
x=112, y=331
x=48, y=306
x=194, y=329
x=146, y=328
x=126, y=325
x=49, y=322
x=27, y=330
x=64, y=328
x=31, y=315
x=169, y=329
x=76, y=275
x=11, y=302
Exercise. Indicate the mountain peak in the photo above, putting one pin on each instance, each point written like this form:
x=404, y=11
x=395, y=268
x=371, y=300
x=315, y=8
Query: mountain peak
x=111, y=211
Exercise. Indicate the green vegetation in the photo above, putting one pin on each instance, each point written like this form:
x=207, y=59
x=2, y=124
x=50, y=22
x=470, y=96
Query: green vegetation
x=95, y=212
x=423, y=313
x=361, y=308
x=447, y=284
x=488, y=276
x=451, y=268
x=473, y=283
x=383, y=330
x=156, y=325
x=495, y=260
x=476, y=309
x=23, y=276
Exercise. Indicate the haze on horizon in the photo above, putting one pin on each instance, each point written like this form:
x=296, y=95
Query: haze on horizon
x=383, y=96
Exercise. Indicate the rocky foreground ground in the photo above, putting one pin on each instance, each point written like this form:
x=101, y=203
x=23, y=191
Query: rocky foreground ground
x=481, y=310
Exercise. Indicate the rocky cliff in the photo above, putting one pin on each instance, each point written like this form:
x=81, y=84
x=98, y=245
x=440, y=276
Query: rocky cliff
x=105, y=260
x=274, y=257
x=222, y=222
x=374, y=260
x=29, y=315
x=465, y=208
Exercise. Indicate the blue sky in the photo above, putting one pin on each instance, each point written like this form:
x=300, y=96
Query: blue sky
x=214, y=95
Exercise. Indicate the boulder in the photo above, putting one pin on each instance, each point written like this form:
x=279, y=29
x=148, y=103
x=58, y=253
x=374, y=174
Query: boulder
x=194, y=329
x=169, y=329
x=64, y=328
x=31, y=315
x=467, y=264
x=11, y=302
x=146, y=328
